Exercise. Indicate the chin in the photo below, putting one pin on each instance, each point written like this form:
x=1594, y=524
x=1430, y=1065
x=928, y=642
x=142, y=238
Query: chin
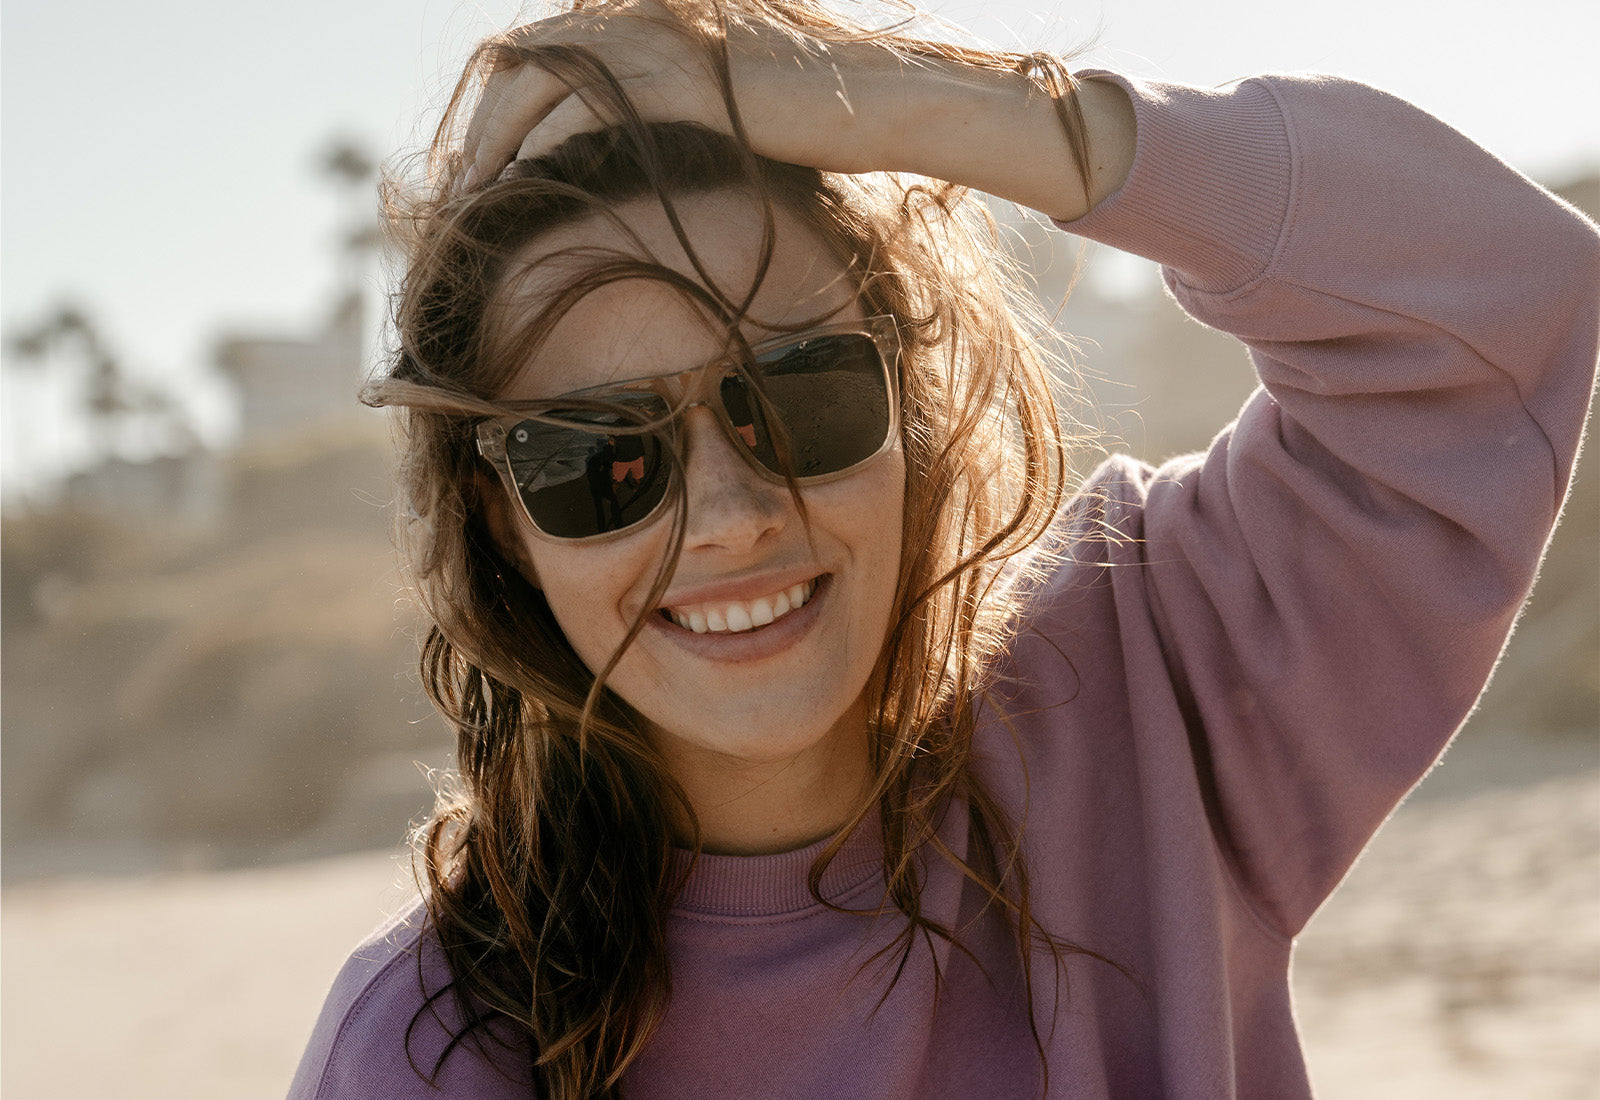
x=756, y=738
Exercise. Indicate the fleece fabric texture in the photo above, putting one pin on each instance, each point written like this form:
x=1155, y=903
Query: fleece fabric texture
x=1246, y=660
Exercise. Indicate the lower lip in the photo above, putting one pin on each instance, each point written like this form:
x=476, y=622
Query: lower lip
x=749, y=645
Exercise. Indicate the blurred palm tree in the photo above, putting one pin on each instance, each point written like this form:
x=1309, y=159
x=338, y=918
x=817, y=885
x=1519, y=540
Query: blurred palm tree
x=116, y=404
x=353, y=171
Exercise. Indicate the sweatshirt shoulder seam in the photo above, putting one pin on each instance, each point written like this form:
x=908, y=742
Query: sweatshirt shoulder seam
x=357, y=1006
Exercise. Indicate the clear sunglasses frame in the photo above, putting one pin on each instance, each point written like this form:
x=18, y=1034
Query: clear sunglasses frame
x=673, y=389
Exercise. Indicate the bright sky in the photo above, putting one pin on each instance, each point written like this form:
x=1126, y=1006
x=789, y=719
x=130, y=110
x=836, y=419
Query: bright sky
x=159, y=158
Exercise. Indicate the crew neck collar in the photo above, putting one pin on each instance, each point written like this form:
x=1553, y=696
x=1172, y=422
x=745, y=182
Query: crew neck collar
x=776, y=885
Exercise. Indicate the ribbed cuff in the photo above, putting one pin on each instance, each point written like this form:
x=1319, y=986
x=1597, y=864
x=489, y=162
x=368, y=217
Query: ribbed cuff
x=1208, y=194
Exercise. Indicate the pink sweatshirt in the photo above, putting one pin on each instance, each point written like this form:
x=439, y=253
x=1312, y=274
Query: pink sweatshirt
x=1251, y=657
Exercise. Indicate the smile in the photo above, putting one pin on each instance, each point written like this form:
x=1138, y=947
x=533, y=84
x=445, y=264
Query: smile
x=736, y=616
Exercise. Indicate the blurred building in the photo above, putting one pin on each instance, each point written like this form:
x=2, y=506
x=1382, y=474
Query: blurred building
x=187, y=488
x=287, y=384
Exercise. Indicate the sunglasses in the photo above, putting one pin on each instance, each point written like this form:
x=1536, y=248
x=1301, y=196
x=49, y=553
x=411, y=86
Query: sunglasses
x=813, y=405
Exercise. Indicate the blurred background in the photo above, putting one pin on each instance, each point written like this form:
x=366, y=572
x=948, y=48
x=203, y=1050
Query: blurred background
x=213, y=738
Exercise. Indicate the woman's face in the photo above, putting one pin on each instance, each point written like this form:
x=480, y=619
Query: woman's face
x=788, y=691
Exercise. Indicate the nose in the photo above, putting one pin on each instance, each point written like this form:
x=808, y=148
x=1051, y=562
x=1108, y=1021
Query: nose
x=730, y=506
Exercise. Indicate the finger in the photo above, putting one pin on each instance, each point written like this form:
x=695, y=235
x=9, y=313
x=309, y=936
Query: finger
x=494, y=90
x=505, y=115
x=571, y=117
x=508, y=66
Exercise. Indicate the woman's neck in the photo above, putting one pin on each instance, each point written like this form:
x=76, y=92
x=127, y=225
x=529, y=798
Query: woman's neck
x=759, y=807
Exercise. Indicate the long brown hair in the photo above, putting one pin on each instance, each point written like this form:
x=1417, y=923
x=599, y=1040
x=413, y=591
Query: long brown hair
x=549, y=865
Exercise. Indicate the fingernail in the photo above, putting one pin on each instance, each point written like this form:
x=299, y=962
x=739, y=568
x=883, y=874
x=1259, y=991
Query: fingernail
x=470, y=179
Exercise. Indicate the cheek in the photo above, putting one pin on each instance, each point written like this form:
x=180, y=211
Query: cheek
x=866, y=511
x=888, y=528
x=594, y=591
x=883, y=499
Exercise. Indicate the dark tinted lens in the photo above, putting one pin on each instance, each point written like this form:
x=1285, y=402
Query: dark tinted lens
x=577, y=479
x=830, y=400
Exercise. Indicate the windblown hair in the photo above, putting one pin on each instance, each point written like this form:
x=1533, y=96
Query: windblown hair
x=550, y=866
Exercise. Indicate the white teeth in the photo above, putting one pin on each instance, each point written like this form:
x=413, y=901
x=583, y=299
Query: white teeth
x=744, y=615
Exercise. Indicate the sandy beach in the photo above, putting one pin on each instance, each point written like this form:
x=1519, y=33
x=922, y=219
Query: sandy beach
x=1461, y=958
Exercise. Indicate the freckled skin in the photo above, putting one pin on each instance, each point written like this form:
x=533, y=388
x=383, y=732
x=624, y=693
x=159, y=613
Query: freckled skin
x=771, y=751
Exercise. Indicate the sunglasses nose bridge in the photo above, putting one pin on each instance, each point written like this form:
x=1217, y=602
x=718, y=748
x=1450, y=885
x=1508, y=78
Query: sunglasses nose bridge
x=741, y=438
x=719, y=416
x=700, y=385
x=701, y=388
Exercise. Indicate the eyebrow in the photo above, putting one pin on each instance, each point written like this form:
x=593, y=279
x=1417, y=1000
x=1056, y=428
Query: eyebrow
x=781, y=341
x=775, y=340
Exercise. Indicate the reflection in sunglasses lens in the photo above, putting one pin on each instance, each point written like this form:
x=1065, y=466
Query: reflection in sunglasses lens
x=814, y=408
x=578, y=482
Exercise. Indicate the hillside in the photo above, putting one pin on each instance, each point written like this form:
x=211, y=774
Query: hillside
x=214, y=691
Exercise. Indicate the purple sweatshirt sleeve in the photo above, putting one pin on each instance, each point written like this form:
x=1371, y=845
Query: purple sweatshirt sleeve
x=386, y=1029
x=1331, y=584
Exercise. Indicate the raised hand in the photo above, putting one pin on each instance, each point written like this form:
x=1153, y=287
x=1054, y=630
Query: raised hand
x=799, y=98
x=846, y=103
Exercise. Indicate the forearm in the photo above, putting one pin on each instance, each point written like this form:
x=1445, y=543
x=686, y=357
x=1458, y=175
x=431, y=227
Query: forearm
x=842, y=107
x=997, y=133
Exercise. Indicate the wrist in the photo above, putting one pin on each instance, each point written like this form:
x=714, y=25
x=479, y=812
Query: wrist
x=996, y=131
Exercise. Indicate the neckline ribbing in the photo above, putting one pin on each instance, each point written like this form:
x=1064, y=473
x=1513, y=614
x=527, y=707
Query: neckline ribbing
x=776, y=885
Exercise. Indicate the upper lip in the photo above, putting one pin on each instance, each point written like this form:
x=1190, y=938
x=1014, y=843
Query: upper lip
x=740, y=588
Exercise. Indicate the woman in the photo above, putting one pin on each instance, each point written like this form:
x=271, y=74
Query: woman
x=813, y=741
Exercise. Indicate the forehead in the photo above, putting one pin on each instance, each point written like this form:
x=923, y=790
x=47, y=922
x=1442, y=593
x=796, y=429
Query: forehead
x=640, y=327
